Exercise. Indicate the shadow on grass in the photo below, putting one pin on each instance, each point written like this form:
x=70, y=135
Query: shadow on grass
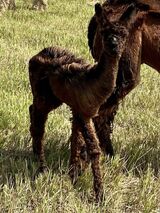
x=22, y=163
x=138, y=157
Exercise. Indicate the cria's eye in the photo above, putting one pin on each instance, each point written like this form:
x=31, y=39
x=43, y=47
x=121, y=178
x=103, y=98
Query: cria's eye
x=114, y=39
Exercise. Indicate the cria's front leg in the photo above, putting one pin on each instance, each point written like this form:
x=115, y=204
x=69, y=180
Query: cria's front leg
x=79, y=158
x=94, y=152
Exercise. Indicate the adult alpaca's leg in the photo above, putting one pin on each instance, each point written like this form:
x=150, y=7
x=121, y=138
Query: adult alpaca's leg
x=78, y=158
x=94, y=152
x=103, y=130
x=104, y=122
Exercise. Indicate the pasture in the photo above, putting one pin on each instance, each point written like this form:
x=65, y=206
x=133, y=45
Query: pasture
x=131, y=179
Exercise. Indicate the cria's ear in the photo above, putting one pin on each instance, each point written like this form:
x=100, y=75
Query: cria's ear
x=98, y=9
x=128, y=14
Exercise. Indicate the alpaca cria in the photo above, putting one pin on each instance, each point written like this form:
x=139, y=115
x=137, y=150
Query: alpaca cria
x=57, y=77
x=143, y=39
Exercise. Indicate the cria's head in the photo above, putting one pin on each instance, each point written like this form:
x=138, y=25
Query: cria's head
x=115, y=31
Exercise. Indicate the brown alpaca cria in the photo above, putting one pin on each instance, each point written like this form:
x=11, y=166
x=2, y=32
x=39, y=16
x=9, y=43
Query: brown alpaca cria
x=57, y=77
x=143, y=39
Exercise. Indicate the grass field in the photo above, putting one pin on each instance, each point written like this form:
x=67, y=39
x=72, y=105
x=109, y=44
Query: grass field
x=131, y=179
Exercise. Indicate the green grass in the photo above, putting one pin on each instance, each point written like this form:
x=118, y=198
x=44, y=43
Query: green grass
x=131, y=180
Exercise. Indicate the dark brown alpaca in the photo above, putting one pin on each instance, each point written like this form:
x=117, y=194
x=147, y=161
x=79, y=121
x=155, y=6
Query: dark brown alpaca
x=57, y=77
x=142, y=46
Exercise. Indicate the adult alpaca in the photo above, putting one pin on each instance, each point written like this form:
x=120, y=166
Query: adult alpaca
x=57, y=77
x=140, y=40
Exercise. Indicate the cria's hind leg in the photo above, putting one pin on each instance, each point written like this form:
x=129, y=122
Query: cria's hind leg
x=38, y=115
x=79, y=157
x=43, y=102
x=37, y=128
x=94, y=152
